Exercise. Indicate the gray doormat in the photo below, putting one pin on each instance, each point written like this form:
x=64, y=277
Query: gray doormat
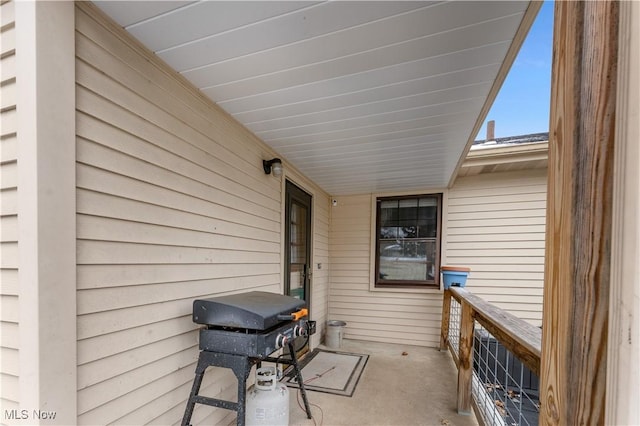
x=332, y=372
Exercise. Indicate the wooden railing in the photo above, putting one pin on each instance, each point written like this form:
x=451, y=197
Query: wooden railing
x=519, y=337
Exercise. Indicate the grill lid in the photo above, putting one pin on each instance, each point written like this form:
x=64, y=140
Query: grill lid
x=255, y=310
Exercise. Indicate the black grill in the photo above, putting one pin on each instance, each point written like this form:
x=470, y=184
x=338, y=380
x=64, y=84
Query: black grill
x=257, y=310
x=241, y=330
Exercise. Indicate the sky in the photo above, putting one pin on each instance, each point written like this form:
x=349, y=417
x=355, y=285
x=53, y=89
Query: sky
x=522, y=105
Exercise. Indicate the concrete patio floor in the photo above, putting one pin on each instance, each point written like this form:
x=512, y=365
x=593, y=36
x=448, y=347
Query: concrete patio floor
x=395, y=389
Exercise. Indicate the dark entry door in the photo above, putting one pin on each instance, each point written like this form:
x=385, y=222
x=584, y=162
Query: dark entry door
x=298, y=246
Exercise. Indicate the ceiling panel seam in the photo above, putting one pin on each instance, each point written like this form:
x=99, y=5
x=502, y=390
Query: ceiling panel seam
x=370, y=89
x=371, y=116
x=359, y=105
x=373, y=126
x=239, y=28
x=359, y=52
x=299, y=41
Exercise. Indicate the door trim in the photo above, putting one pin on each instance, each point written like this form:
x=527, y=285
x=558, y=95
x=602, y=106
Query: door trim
x=289, y=184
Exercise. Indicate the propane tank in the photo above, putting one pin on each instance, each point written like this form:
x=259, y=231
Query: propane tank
x=267, y=400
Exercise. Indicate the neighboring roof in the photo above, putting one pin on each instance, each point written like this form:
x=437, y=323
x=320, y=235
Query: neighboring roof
x=362, y=96
x=511, y=140
x=507, y=154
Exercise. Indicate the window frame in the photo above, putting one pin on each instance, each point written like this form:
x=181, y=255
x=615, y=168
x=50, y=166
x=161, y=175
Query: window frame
x=408, y=284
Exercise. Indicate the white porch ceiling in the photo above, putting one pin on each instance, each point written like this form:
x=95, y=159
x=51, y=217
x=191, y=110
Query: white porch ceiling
x=361, y=96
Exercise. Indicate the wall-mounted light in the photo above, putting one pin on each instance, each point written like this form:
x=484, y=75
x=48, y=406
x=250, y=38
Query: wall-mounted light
x=274, y=166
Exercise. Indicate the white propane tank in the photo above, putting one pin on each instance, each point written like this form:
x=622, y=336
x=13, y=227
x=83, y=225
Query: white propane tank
x=267, y=400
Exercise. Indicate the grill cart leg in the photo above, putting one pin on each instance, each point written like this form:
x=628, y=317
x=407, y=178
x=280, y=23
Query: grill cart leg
x=197, y=381
x=242, y=371
x=294, y=361
x=241, y=366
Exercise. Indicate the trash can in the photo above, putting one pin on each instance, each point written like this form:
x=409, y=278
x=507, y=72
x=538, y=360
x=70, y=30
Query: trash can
x=335, y=330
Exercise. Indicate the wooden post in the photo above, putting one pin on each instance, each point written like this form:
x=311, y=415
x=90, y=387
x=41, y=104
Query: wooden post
x=465, y=357
x=576, y=293
x=446, y=316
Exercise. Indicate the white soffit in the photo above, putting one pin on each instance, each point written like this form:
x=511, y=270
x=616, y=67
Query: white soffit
x=361, y=96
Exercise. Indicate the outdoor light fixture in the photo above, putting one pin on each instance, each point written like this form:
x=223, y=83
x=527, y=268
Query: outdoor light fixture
x=274, y=166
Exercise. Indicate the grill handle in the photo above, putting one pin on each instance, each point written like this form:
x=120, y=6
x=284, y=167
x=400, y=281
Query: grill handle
x=294, y=316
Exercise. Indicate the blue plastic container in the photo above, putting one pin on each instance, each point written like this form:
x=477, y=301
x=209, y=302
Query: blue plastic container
x=456, y=278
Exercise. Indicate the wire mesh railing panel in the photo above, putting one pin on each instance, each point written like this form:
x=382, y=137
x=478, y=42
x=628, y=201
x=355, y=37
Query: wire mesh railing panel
x=486, y=406
x=503, y=382
x=504, y=390
x=454, y=325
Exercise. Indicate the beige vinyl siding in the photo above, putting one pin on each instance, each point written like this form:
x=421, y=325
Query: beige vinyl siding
x=382, y=316
x=496, y=226
x=493, y=223
x=9, y=300
x=172, y=205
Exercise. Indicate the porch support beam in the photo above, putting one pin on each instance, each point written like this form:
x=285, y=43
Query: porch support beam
x=623, y=376
x=578, y=244
x=45, y=70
